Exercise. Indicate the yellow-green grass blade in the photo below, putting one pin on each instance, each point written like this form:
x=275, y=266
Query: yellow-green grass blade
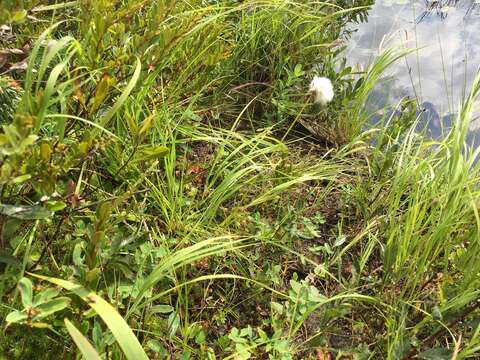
x=117, y=325
x=125, y=94
x=87, y=350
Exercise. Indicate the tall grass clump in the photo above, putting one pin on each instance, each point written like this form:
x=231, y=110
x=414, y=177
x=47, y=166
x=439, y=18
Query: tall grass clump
x=422, y=199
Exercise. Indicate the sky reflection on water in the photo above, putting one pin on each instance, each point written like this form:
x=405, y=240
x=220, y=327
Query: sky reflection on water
x=440, y=73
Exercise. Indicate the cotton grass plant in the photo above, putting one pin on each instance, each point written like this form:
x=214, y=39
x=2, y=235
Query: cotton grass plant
x=191, y=218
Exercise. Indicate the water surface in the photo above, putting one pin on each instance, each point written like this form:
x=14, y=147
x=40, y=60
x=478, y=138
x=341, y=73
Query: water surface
x=440, y=73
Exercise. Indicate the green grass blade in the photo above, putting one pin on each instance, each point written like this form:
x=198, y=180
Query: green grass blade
x=87, y=350
x=64, y=5
x=77, y=118
x=117, y=325
x=126, y=92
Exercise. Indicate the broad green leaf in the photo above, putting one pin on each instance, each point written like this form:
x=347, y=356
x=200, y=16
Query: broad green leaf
x=173, y=323
x=87, y=350
x=161, y=309
x=200, y=338
x=277, y=307
x=296, y=286
x=246, y=332
x=16, y=317
x=40, y=325
x=20, y=179
x=9, y=260
x=77, y=256
x=19, y=16
x=156, y=346
x=103, y=212
x=55, y=205
x=50, y=307
x=436, y=354
x=26, y=291
x=145, y=125
x=45, y=295
x=437, y=313
x=103, y=88
x=243, y=352
x=25, y=212
x=340, y=240
x=117, y=325
x=151, y=153
x=45, y=151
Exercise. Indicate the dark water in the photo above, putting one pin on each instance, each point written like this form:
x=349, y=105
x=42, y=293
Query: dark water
x=440, y=72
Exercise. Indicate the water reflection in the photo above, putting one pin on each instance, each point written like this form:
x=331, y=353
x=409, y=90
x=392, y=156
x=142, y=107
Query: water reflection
x=440, y=73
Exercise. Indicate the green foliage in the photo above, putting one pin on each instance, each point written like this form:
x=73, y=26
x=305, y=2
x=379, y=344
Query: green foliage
x=154, y=166
x=119, y=328
x=36, y=307
x=9, y=97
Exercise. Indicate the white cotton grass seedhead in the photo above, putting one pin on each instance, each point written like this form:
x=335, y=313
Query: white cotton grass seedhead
x=322, y=89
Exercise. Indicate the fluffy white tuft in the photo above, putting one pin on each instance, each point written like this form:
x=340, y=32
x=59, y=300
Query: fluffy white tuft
x=322, y=89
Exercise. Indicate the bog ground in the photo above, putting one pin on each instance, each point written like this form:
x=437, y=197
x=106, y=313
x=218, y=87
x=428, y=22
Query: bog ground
x=170, y=189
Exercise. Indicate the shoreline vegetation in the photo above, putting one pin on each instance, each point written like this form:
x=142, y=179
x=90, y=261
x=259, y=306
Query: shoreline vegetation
x=179, y=181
